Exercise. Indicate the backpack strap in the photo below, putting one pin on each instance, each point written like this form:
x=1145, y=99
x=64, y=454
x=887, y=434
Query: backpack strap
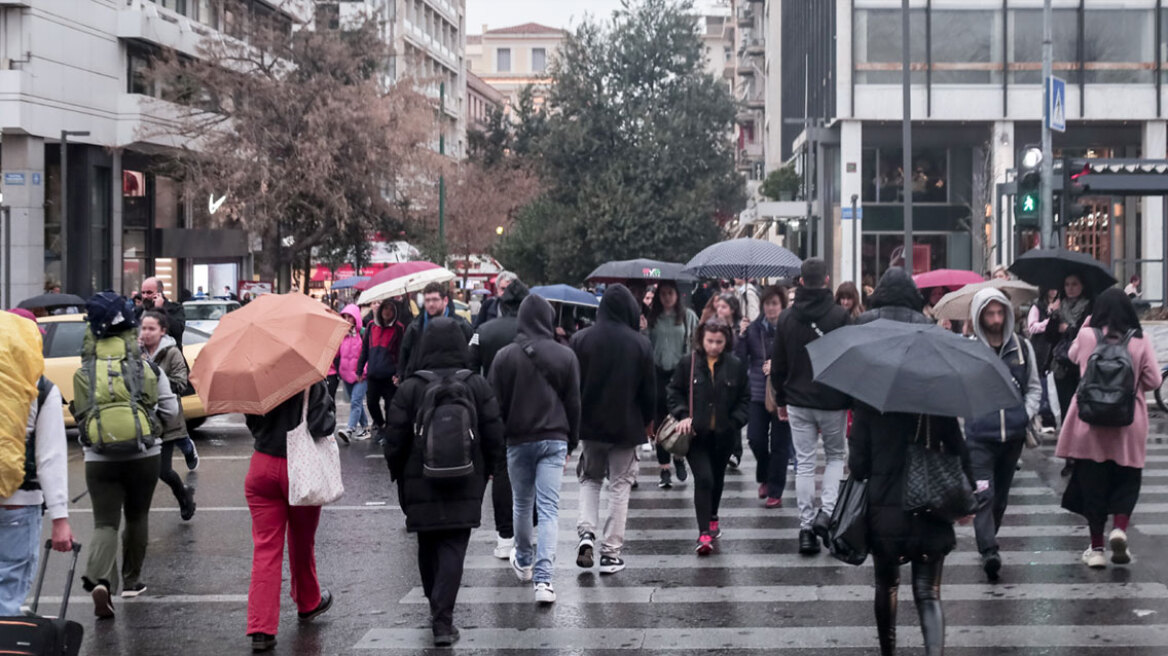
x=815, y=327
x=134, y=383
x=90, y=366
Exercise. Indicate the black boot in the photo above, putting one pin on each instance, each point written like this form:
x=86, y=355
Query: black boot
x=886, y=599
x=932, y=626
x=808, y=543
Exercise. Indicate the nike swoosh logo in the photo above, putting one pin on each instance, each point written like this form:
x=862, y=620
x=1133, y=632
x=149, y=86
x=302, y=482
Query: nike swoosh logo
x=214, y=205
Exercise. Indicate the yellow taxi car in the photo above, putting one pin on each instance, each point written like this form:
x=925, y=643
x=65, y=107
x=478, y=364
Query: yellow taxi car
x=64, y=335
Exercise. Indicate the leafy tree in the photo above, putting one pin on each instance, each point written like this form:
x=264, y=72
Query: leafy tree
x=302, y=134
x=633, y=148
x=781, y=182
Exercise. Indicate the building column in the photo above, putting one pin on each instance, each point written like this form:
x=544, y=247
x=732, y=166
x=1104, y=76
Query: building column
x=1155, y=144
x=116, y=248
x=1001, y=239
x=23, y=186
x=850, y=254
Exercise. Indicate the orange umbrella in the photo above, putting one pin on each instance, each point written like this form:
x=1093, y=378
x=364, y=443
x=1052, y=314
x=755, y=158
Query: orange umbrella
x=264, y=353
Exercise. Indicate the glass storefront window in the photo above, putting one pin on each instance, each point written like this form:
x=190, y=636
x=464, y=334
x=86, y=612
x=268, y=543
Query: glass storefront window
x=135, y=204
x=930, y=176
x=1026, y=44
x=877, y=45
x=53, y=220
x=1119, y=46
x=99, y=228
x=967, y=46
x=880, y=251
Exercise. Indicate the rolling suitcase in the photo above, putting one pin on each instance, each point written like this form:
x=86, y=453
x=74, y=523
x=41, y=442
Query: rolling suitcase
x=43, y=636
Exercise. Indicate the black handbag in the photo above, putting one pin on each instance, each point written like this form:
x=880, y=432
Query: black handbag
x=848, y=530
x=935, y=484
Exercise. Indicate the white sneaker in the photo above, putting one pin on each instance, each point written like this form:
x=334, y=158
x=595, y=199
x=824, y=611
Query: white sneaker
x=1094, y=558
x=1120, y=555
x=648, y=447
x=503, y=547
x=521, y=573
x=544, y=593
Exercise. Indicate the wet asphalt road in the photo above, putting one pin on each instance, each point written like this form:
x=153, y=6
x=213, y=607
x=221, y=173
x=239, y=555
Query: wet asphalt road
x=755, y=595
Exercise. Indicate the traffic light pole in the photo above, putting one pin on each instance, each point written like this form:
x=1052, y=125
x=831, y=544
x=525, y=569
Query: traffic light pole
x=906, y=136
x=1046, y=200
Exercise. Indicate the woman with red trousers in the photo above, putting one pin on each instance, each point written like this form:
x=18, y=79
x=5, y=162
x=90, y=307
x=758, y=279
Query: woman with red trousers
x=266, y=487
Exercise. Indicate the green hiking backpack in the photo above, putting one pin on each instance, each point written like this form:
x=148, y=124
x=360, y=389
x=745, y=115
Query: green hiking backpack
x=114, y=395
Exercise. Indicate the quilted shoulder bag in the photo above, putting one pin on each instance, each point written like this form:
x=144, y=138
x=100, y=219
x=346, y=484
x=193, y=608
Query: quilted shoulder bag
x=314, y=466
x=935, y=484
x=670, y=436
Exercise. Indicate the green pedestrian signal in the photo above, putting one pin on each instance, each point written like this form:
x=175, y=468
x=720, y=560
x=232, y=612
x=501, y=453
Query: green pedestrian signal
x=1026, y=209
x=1029, y=204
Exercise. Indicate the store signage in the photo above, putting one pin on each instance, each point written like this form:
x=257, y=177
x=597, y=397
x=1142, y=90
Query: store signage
x=14, y=179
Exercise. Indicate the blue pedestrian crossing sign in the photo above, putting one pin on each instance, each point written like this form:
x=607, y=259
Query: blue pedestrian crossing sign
x=1056, y=107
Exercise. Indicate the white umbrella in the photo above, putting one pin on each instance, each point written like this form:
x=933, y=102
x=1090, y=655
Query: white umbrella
x=955, y=306
x=407, y=284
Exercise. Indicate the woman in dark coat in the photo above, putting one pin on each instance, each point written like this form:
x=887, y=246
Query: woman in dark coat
x=442, y=512
x=721, y=407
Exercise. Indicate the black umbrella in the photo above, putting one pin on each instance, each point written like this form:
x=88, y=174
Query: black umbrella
x=917, y=368
x=50, y=301
x=744, y=258
x=1049, y=267
x=622, y=270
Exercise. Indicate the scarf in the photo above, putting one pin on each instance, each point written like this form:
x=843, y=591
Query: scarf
x=1072, y=311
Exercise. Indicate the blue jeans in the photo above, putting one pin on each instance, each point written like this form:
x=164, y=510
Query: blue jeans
x=356, y=392
x=536, y=470
x=20, y=535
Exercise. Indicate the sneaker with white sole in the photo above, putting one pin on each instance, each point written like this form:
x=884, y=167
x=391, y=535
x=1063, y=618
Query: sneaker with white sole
x=611, y=564
x=103, y=605
x=1120, y=555
x=584, y=551
x=133, y=591
x=522, y=573
x=503, y=547
x=545, y=593
x=192, y=458
x=1094, y=558
x=343, y=435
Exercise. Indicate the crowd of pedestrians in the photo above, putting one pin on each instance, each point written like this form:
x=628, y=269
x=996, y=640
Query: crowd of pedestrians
x=514, y=404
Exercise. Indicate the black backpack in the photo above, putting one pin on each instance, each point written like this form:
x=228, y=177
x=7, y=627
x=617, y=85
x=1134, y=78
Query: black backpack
x=1107, y=392
x=446, y=424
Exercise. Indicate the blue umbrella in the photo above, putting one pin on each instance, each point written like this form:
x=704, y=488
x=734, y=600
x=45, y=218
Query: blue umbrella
x=744, y=258
x=566, y=294
x=349, y=283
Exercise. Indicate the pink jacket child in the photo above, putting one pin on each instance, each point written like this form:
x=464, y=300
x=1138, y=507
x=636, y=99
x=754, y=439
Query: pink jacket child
x=1126, y=445
x=350, y=350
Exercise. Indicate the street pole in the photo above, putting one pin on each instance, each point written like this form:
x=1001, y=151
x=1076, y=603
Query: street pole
x=441, y=178
x=1046, y=200
x=811, y=240
x=906, y=137
x=856, y=268
x=6, y=211
x=65, y=134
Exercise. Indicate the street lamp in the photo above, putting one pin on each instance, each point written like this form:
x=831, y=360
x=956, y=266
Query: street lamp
x=65, y=134
x=499, y=231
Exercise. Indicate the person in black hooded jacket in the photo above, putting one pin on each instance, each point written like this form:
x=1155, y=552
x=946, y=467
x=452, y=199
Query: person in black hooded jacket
x=813, y=409
x=618, y=395
x=537, y=382
x=441, y=511
x=896, y=298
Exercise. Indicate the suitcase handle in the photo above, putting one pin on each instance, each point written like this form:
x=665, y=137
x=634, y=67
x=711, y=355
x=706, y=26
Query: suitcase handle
x=40, y=582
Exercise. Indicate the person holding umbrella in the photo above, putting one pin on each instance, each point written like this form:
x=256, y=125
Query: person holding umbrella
x=672, y=327
x=995, y=440
x=1063, y=328
x=1037, y=319
x=1108, y=461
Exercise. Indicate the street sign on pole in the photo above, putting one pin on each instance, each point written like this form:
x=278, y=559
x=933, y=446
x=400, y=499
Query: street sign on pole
x=1056, y=110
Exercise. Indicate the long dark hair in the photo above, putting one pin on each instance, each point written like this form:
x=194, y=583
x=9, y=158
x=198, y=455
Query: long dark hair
x=1114, y=311
x=848, y=290
x=712, y=312
x=713, y=326
x=657, y=309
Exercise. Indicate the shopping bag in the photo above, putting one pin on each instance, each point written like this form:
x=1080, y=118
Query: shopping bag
x=848, y=530
x=314, y=466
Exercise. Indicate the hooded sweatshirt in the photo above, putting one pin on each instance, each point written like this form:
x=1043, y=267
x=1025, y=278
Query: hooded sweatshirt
x=351, y=348
x=618, y=387
x=814, y=313
x=1018, y=356
x=495, y=334
x=381, y=346
x=169, y=358
x=537, y=380
x=410, y=356
x=896, y=298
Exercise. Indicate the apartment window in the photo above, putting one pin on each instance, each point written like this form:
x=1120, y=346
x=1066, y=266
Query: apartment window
x=877, y=45
x=503, y=60
x=967, y=46
x=538, y=60
x=178, y=6
x=136, y=79
x=1026, y=42
x=205, y=13
x=1119, y=46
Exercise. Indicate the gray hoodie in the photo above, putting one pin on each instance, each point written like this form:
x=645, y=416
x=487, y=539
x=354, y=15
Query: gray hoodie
x=1008, y=423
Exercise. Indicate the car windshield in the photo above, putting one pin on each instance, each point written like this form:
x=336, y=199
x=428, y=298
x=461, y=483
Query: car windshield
x=65, y=340
x=194, y=336
x=208, y=311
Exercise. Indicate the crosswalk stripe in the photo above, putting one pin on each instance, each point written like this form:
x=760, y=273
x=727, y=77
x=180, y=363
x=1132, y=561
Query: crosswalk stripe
x=571, y=595
x=690, y=638
x=731, y=533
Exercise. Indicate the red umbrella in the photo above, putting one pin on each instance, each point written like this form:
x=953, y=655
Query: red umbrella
x=396, y=271
x=951, y=279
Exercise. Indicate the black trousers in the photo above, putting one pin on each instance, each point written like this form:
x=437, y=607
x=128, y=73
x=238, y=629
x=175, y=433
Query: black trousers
x=333, y=382
x=1065, y=387
x=379, y=389
x=770, y=441
x=926, y=585
x=167, y=473
x=993, y=461
x=501, y=501
x=708, y=455
x=441, y=555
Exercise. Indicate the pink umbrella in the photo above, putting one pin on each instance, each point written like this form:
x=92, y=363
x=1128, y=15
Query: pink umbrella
x=951, y=279
x=396, y=271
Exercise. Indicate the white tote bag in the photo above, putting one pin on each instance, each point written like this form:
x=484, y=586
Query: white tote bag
x=314, y=466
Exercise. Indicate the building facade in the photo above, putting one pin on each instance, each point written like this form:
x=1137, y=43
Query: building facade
x=977, y=101
x=511, y=58
x=481, y=99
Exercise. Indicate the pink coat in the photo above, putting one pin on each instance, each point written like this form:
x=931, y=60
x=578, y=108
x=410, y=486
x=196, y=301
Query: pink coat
x=1126, y=445
x=350, y=351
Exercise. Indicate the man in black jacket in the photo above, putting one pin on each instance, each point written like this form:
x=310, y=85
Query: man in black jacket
x=488, y=340
x=896, y=298
x=154, y=298
x=435, y=303
x=537, y=383
x=812, y=408
x=618, y=392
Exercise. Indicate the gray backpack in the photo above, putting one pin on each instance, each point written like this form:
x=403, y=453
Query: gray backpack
x=1107, y=392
